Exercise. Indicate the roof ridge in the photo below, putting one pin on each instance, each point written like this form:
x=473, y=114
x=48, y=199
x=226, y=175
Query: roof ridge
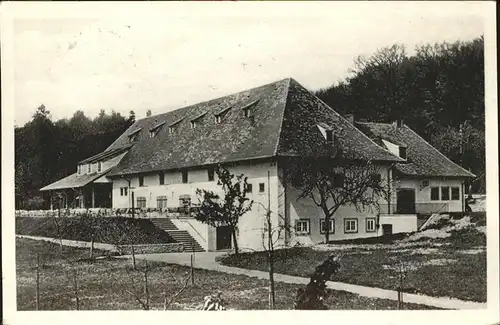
x=439, y=152
x=287, y=90
x=215, y=99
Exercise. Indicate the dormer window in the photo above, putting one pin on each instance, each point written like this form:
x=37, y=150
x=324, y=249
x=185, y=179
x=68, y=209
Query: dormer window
x=248, y=109
x=99, y=166
x=221, y=114
x=402, y=152
x=88, y=168
x=197, y=120
x=248, y=112
x=133, y=136
x=155, y=130
x=79, y=169
x=326, y=131
x=172, y=126
x=329, y=135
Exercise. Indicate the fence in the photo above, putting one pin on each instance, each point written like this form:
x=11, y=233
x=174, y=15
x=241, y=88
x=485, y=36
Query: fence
x=147, y=213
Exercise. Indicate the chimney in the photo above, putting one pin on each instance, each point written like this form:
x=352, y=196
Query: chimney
x=349, y=118
x=398, y=123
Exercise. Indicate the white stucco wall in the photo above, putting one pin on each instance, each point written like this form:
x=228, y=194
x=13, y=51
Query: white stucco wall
x=250, y=225
x=423, y=195
x=305, y=208
x=400, y=223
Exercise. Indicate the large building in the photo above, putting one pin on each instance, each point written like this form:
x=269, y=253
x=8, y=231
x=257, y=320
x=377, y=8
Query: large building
x=163, y=159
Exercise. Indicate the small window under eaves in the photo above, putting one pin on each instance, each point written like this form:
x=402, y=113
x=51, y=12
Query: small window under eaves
x=402, y=152
x=248, y=109
x=193, y=124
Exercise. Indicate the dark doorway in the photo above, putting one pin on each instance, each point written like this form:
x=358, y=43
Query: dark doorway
x=223, y=236
x=387, y=229
x=406, y=201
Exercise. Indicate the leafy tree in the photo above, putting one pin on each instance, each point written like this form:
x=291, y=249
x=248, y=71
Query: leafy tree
x=226, y=210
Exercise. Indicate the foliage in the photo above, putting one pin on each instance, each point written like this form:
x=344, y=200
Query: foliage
x=438, y=92
x=46, y=151
x=219, y=211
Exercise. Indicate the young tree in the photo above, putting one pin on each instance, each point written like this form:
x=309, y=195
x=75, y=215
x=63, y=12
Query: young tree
x=219, y=211
x=333, y=183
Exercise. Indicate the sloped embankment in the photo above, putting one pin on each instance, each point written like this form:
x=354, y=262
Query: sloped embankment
x=109, y=230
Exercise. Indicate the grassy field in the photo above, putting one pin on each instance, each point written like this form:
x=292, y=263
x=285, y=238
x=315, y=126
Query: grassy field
x=103, y=284
x=453, y=266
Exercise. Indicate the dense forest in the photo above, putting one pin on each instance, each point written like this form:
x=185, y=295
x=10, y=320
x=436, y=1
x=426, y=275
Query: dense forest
x=46, y=151
x=438, y=92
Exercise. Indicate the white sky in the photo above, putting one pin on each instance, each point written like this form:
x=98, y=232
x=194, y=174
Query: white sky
x=183, y=54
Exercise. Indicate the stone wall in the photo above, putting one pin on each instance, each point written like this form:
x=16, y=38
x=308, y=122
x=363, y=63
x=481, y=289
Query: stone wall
x=151, y=248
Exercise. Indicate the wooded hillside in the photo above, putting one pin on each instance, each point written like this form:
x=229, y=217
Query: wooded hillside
x=438, y=92
x=46, y=151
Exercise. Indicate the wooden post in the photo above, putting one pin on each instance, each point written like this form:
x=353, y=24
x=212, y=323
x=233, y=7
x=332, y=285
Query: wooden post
x=93, y=197
x=92, y=246
x=37, y=303
x=192, y=271
x=270, y=247
x=133, y=216
x=75, y=287
x=146, y=290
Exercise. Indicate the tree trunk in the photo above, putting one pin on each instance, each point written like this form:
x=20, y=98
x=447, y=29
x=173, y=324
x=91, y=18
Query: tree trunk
x=235, y=241
x=270, y=251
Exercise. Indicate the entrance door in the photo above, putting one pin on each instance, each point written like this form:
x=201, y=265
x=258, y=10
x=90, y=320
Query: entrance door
x=387, y=229
x=223, y=238
x=406, y=201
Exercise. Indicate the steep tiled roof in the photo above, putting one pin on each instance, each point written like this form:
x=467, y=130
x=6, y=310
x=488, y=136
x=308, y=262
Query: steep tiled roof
x=283, y=122
x=423, y=159
x=299, y=133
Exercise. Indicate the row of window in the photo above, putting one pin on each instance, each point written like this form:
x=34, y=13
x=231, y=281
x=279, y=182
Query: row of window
x=80, y=168
x=211, y=177
x=445, y=193
x=302, y=226
x=161, y=201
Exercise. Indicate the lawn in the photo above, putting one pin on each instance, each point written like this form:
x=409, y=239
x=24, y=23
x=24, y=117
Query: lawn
x=452, y=267
x=109, y=230
x=103, y=284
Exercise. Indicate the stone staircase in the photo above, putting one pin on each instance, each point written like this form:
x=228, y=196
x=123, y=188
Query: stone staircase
x=181, y=236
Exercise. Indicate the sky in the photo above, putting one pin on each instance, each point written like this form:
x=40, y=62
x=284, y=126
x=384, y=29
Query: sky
x=181, y=55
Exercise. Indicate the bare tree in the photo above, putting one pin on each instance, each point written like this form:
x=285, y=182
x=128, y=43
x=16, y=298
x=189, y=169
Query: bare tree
x=142, y=299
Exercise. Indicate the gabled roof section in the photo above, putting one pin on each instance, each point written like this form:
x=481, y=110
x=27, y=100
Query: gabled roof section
x=157, y=126
x=174, y=123
x=199, y=116
x=300, y=136
x=423, y=159
x=105, y=154
x=134, y=132
x=73, y=181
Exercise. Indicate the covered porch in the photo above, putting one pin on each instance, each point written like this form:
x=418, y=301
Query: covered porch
x=81, y=191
